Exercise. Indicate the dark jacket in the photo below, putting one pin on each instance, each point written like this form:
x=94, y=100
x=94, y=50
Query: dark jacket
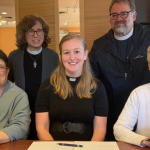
x=120, y=78
x=16, y=58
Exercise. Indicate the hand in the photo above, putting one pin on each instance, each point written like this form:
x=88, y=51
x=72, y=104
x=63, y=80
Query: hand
x=145, y=142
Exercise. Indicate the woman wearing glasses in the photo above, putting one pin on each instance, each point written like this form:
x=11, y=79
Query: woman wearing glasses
x=32, y=62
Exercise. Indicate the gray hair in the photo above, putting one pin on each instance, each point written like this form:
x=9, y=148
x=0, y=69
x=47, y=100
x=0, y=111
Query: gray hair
x=148, y=54
x=131, y=3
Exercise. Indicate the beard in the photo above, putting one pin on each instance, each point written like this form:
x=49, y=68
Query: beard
x=120, y=28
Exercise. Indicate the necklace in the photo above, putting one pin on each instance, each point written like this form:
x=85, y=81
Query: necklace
x=35, y=63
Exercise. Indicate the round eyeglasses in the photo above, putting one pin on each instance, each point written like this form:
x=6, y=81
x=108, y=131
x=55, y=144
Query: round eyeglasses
x=123, y=15
x=32, y=32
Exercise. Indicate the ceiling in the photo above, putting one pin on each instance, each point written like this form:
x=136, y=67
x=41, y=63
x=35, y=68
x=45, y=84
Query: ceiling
x=67, y=13
x=9, y=7
x=71, y=17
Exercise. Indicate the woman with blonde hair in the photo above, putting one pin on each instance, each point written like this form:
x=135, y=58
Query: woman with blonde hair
x=72, y=104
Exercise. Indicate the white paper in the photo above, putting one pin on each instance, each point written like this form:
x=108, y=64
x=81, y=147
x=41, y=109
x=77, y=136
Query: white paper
x=48, y=145
x=97, y=146
x=52, y=145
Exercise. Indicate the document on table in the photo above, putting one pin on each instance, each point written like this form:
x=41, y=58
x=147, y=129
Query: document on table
x=48, y=145
x=96, y=145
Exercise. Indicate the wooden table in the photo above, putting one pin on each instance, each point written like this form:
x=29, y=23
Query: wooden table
x=24, y=145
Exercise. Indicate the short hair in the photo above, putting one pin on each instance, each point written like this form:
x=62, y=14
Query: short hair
x=71, y=36
x=27, y=23
x=148, y=54
x=131, y=3
x=4, y=57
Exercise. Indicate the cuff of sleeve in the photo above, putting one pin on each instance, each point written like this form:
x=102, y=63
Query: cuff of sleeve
x=138, y=141
x=141, y=141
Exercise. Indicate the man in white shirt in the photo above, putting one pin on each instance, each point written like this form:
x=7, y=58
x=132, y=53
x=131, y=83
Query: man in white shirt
x=136, y=111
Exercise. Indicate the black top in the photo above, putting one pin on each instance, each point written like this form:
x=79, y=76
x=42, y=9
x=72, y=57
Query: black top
x=123, y=47
x=72, y=109
x=22, y=71
x=33, y=78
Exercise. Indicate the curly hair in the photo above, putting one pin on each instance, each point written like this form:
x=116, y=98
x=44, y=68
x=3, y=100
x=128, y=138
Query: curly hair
x=27, y=23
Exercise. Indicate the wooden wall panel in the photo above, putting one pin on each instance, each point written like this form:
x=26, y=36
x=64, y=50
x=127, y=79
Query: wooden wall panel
x=44, y=8
x=94, y=19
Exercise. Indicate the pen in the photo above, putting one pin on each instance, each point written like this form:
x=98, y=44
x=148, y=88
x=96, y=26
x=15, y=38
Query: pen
x=73, y=145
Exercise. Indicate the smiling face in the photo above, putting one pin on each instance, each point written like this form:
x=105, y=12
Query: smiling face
x=3, y=73
x=35, y=41
x=121, y=26
x=73, y=56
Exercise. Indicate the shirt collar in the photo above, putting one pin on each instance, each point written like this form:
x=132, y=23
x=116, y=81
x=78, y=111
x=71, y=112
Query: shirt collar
x=121, y=38
x=34, y=52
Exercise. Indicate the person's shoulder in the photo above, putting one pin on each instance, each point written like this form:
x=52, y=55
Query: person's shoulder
x=50, y=55
x=142, y=89
x=49, y=51
x=140, y=94
x=15, y=89
x=100, y=85
x=105, y=36
x=141, y=29
x=45, y=84
x=102, y=41
x=16, y=52
x=141, y=26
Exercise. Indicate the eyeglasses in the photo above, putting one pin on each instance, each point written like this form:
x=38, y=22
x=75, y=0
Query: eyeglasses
x=32, y=32
x=123, y=15
x=3, y=68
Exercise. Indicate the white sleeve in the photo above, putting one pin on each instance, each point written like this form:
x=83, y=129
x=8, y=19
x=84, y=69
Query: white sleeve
x=127, y=120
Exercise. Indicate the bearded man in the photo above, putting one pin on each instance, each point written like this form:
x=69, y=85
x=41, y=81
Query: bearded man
x=118, y=58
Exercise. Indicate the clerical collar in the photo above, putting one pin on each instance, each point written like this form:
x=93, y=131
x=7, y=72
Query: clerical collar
x=34, y=52
x=73, y=79
x=121, y=38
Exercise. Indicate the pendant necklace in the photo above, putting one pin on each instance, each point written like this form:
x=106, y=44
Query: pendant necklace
x=35, y=63
x=38, y=52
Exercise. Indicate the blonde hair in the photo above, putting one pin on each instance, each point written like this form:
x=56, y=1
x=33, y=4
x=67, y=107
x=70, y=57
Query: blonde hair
x=148, y=54
x=87, y=84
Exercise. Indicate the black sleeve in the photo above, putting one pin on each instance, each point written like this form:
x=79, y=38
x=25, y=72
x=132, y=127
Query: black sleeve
x=11, y=72
x=94, y=62
x=100, y=101
x=57, y=60
x=42, y=100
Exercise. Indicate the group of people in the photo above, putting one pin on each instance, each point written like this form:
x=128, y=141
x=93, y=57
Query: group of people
x=81, y=96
